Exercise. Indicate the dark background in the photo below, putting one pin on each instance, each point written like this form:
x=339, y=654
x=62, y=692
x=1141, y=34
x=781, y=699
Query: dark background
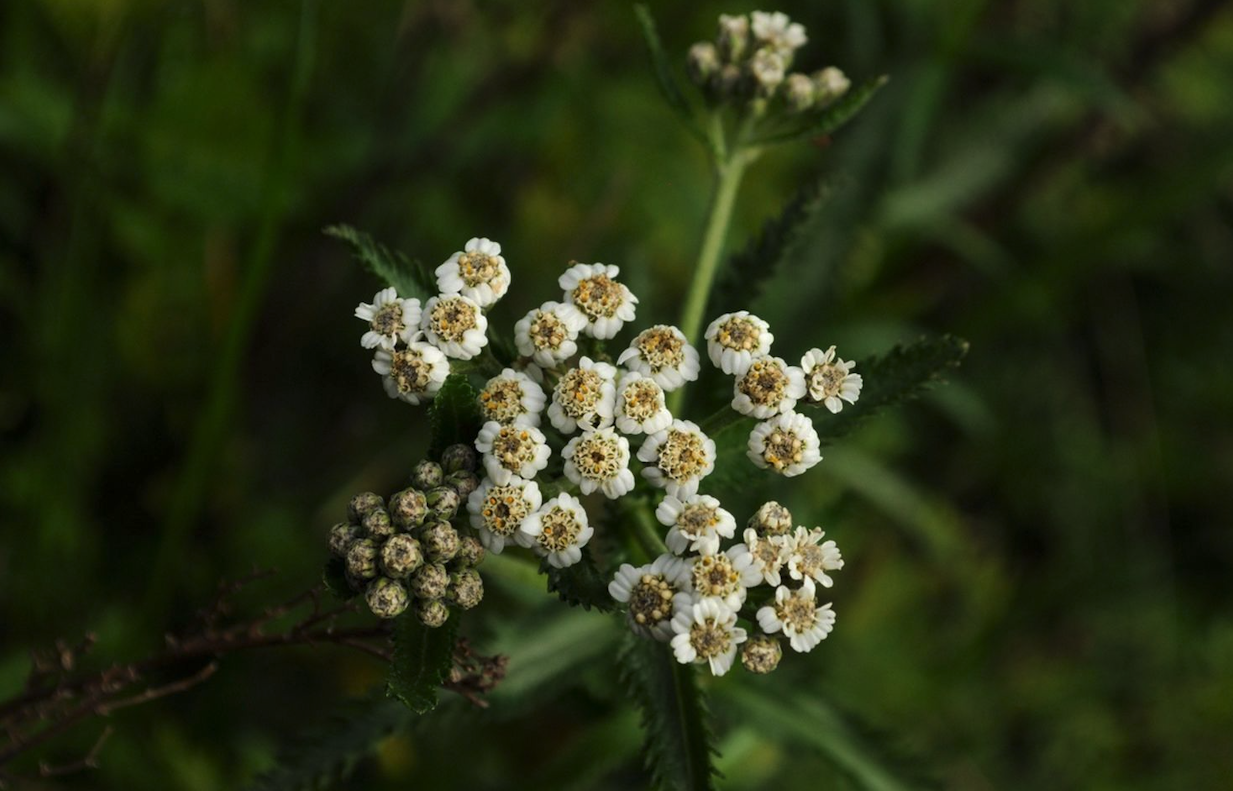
x=1036, y=592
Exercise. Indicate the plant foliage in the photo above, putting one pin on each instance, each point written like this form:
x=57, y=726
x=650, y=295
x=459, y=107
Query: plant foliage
x=423, y=657
x=407, y=277
x=455, y=415
x=579, y=585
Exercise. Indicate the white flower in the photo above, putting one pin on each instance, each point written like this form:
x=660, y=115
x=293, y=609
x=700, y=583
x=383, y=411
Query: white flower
x=413, y=373
x=585, y=396
x=512, y=398
x=735, y=340
x=654, y=594
x=455, y=325
x=512, y=450
x=662, y=353
x=830, y=379
x=768, y=67
x=770, y=386
x=778, y=31
x=696, y=523
x=786, y=444
x=478, y=272
x=733, y=36
x=497, y=511
x=771, y=519
x=809, y=557
x=707, y=632
x=796, y=613
x=390, y=320
x=557, y=531
x=677, y=458
x=599, y=459
x=549, y=334
x=725, y=575
x=830, y=84
x=640, y=406
x=769, y=554
x=592, y=290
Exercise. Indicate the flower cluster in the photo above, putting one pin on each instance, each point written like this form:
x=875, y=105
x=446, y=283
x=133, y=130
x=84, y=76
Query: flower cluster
x=751, y=60
x=408, y=551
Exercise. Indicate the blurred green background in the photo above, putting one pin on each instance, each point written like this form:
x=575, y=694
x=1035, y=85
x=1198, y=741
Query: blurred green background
x=1036, y=592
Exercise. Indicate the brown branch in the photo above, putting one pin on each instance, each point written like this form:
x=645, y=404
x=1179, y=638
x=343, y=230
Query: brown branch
x=89, y=761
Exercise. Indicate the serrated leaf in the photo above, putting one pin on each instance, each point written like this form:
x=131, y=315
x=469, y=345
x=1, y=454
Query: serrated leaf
x=829, y=120
x=423, y=657
x=662, y=66
x=407, y=277
x=579, y=585
x=334, y=575
x=675, y=724
x=455, y=415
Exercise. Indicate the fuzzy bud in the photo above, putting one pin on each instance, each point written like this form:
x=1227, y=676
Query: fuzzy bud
x=362, y=560
x=703, y=62
x=733, y=37
x=463, y=482
x=431, y=613
x=443, y=502
x=342, y=536
x=458, y=458
x=761, y=654
x=430, y=581
x=401, y=556
x=729, y=82
x=427, y=475
x=362, y=504
x=767, y=67
x=386, y=598
x=408, y=508
x=377, y=524
x=470, y=552
x=440, y=542
x=772, y=519
x=466, y=588
x=830, y=84
x=798, y=92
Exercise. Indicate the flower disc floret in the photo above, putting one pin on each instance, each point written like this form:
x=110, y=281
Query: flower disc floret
x=549, y=334
x=477, y=272
x=786, y=444
x=725, y=575
x=593, y=291
x=390, y=320
x=413, y=373
x=585, y=396
x=497, y=511
x=456, y=325
x=696, y=523
x=769, y=387
x=557, y=531
x=678, y=458
x=599, y=460
x=662, y=353
x=641, y=407
x=512, y=398
x=796, y=613
x=653, y=594
x=707, y=632
x=512, y=450
x=735, y=340
x=829, y=380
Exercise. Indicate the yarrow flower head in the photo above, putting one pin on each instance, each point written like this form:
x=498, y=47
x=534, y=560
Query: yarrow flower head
x=497, y=511
x=767, y=388
x=640, y=405
x=678, y=458
x=456, y=325
x=725, y=575
x=512, y=398
x=707, y=633
x=777, y=31
x=830, y=380
x=663, y=354
x=769, y=554
x=390, y=320
x=413, y=373
x=771, y=519
x=512, y=450
x=549, y=334
x=653, y=594
x=735, y=340
x=786, y=444
x=478, y=273
x=585, y=396
x=558, y=531
x=796, y=613
x=599, y=459
x=809, y=557
x=696, y=523
x=593, y=291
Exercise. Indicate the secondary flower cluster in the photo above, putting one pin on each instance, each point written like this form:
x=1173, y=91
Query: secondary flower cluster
x=405, y=552
x=698, y=596
x=751, y=59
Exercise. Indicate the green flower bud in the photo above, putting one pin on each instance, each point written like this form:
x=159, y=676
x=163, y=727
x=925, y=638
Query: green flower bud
x=798, y=92
x=362, y=560
x=463, y=482
x=459, y=457
x=440, y=542
x=401, y=556
x=466, y=588
x=408, y=508
x=377, y=524
x=772, y=519
x=443, y=502
x=427, y=475
x=342, y=536
x=430, y=581
x=362, y=504
x=386, y=598
x=761, y=654
x=432, y=613
x=703, y=62
x=470, y=552
x=733, y=37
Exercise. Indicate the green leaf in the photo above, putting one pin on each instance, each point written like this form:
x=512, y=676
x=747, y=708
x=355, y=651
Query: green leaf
x=579, y=585
x=829, y=120
x=675, y=723
x=455, y=415
x=334, y=575
x=809, y=722
x=423, y=657
x=668, y=86
x=407, y=277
